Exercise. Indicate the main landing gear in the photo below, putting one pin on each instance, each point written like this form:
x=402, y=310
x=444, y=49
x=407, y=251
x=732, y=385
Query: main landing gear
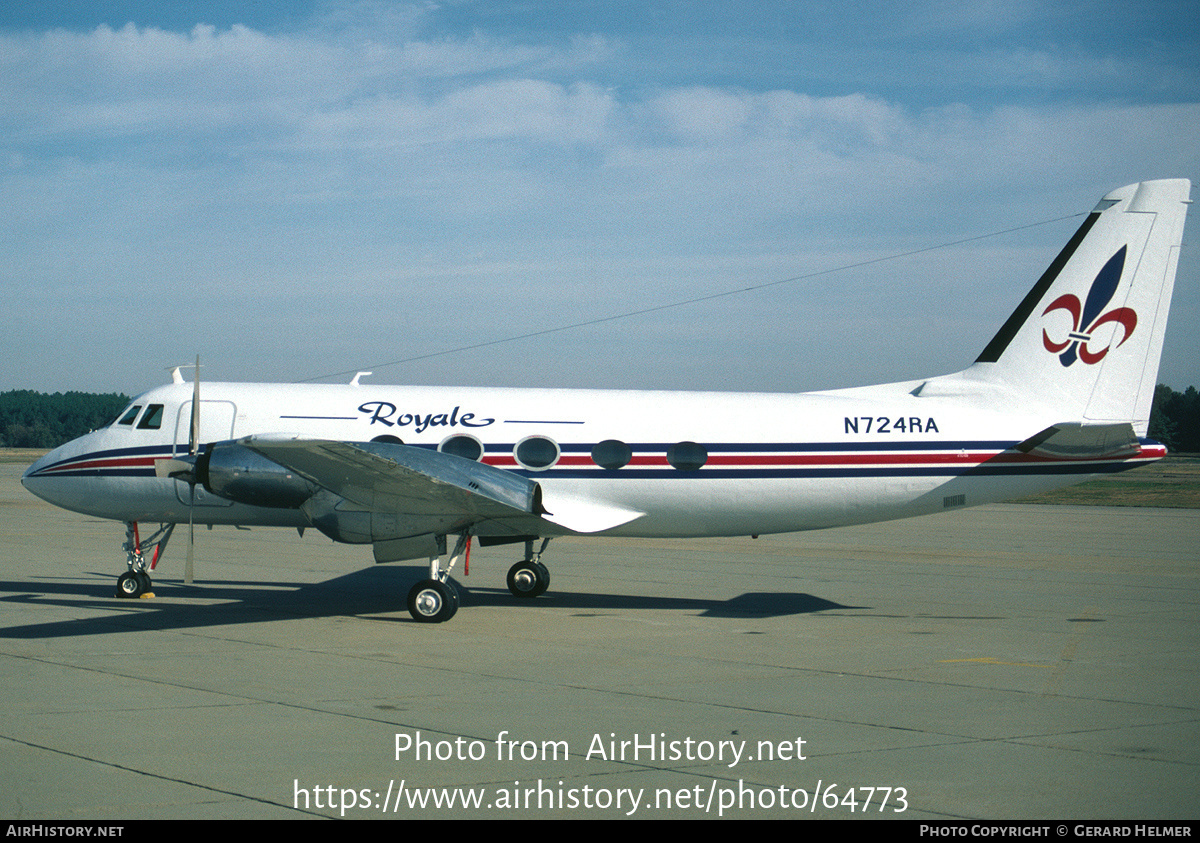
x=529, y=578
x=136, y=581
x=435, y=600
x=432, y=600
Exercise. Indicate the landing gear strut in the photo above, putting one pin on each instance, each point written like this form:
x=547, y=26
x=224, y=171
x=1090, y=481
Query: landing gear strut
x=529, y=577
x=435, y=600
x=136, y=581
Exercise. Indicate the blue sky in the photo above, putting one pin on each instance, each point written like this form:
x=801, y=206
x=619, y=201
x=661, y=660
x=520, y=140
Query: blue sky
x=294, y=190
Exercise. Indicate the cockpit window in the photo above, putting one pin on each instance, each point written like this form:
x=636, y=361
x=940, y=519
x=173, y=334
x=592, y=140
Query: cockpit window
x=152, y=420
x=130, y=414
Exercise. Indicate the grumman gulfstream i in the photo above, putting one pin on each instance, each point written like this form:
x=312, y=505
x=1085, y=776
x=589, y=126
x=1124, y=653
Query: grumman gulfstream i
x=1061, y=393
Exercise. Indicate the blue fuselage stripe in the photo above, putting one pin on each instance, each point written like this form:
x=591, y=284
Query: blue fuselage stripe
x=896, y=451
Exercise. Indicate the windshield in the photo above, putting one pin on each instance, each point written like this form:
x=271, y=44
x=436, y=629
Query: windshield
x=129, y=415
x=151, y=419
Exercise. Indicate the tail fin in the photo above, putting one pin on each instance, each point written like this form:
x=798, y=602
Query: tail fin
x=1086, y=340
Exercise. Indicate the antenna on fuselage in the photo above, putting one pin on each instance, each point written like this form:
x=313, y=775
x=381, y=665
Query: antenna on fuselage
x=177, y=376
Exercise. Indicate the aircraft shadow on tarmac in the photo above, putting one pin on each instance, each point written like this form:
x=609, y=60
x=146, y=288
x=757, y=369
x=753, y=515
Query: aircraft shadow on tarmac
x=371, y=591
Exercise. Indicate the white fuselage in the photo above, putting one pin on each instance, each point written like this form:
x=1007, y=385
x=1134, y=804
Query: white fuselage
x=770, y=462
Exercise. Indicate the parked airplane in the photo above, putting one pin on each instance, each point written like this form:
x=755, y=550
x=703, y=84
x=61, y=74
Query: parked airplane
x=1061, y=393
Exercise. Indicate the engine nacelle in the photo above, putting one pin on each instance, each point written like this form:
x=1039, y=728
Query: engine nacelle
x=345, y=521
x=238, y=474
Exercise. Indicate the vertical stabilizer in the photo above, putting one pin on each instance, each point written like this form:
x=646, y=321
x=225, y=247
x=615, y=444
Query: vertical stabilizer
x=1086, y=340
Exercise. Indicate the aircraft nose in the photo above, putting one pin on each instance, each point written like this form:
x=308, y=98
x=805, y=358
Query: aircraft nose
x=54, y=478
x=34, y=479
x=90, y=476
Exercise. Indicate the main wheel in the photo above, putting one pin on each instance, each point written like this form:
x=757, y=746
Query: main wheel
x=528, y=579
x=129, y=584
x=432, y=601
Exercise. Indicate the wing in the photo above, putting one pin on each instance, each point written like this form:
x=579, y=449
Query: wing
x=436, y=491
x=382, y=492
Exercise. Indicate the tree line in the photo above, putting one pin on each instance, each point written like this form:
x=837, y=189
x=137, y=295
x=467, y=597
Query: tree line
x=36, y=420
x=1175, y=419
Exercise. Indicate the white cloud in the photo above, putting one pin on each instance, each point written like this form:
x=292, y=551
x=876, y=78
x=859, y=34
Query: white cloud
x=295, y=198
x=515, y=109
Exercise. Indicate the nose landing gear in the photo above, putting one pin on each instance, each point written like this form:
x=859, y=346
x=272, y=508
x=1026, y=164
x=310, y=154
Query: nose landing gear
x=136, y=581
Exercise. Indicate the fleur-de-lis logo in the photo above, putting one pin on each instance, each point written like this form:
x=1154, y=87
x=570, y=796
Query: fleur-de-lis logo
x=1086, y=318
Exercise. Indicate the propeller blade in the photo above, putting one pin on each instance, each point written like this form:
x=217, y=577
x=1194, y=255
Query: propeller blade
x=195, y=432
x=191, y=551
x=193, y=447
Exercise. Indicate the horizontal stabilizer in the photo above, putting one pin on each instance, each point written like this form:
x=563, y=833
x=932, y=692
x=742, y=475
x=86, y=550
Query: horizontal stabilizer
x=1074, y=441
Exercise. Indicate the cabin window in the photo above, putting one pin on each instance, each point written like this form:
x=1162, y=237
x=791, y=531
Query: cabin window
x=612, y=454
x=130, y=415
x=536, y=452
x=152, y=419
x=687, y=456
x=461, y=445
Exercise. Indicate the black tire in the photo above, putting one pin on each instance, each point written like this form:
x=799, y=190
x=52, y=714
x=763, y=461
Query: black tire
x=129, y=585
x=528, y=579
x=432, y=601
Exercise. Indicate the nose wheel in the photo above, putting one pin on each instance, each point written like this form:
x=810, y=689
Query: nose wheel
x=133, y=584
x=136, y=581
